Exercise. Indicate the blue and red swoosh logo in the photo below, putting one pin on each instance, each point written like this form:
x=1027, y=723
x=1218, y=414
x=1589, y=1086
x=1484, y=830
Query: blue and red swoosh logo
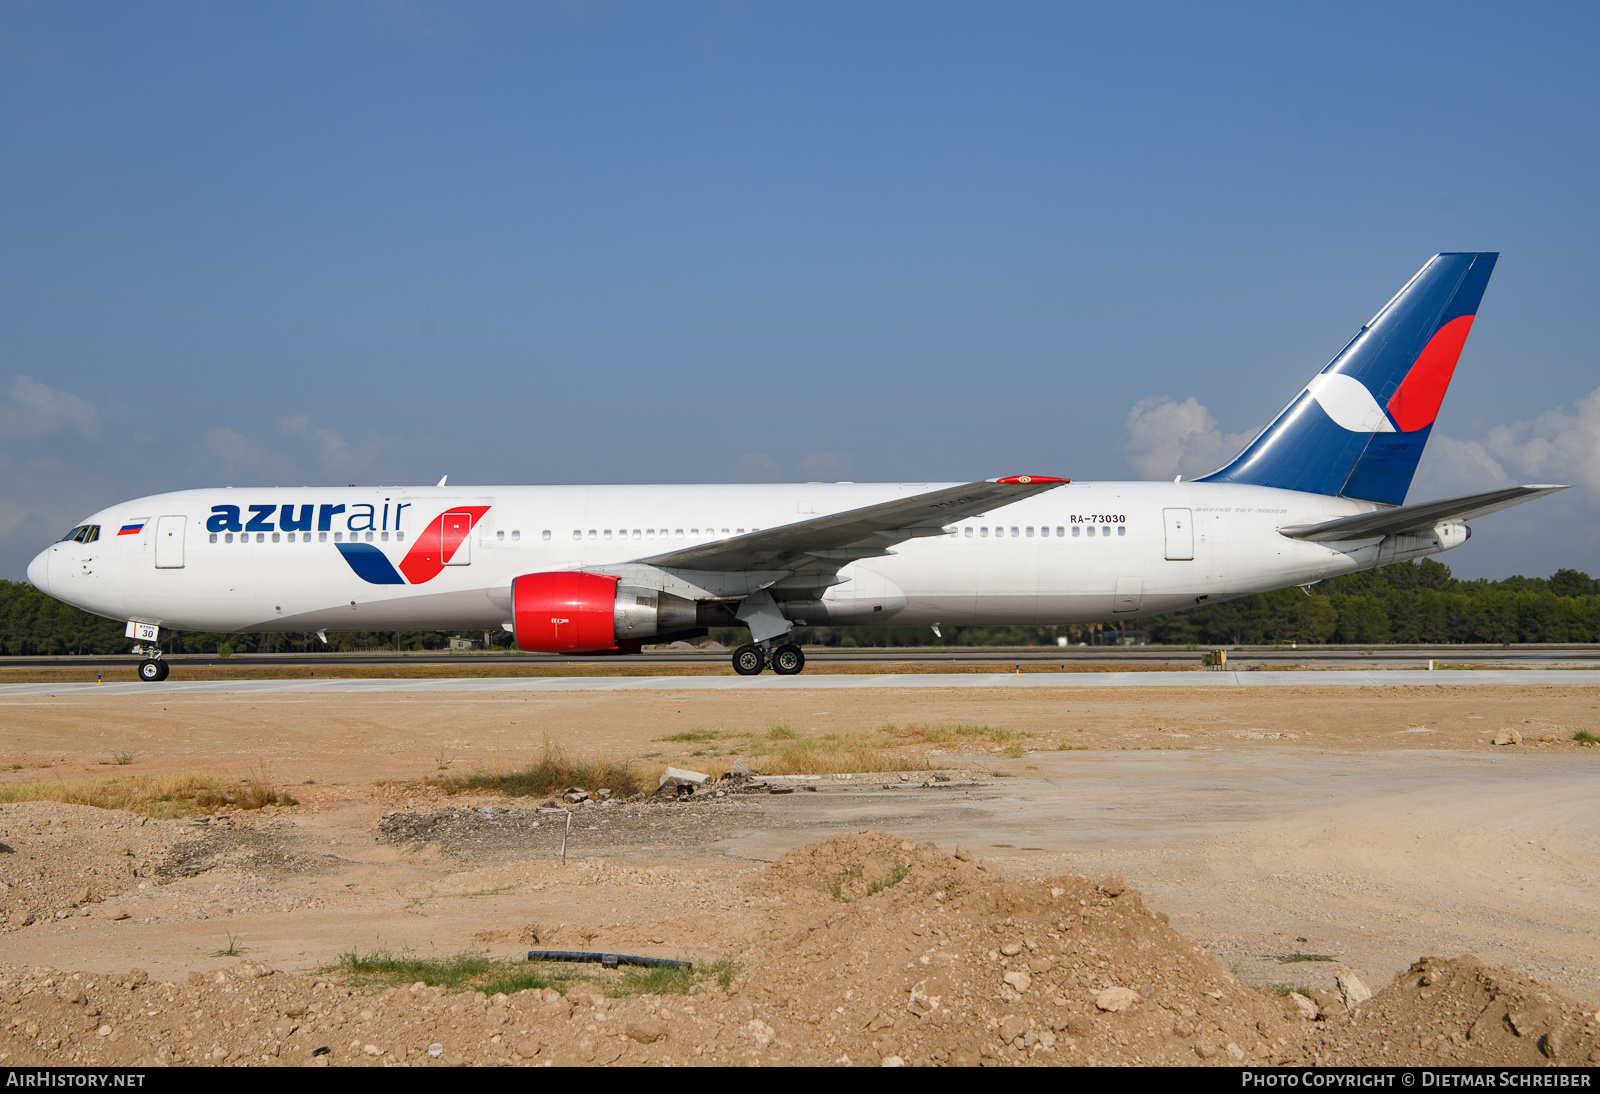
x=433, y=550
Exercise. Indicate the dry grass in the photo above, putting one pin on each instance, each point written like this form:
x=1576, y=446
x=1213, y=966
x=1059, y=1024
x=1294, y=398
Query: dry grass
x=154, y=795
x=832, y=754
x=960, y=733
x=552, y=774
x=781, y=749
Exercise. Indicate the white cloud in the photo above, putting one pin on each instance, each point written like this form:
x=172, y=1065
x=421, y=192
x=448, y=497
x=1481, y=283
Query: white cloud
x=1167, y=438
x=1450, y=468
x=334, y=453
x=33, y=410
x=1559, y=446
x=824, y=466
x=231, y=449
x=757, y=468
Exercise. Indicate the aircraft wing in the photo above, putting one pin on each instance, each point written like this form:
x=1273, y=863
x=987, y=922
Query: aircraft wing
x=856, y=533
x=1418, y=518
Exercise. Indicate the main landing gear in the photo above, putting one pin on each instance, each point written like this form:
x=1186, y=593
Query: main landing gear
x=152, y=670
x=786, y=660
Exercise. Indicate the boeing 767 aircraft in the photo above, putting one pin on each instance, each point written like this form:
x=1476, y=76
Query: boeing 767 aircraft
x=575, y=569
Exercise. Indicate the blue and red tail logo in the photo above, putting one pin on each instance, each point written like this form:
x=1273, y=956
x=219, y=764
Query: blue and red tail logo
x=1359, y=427
x=442, y=543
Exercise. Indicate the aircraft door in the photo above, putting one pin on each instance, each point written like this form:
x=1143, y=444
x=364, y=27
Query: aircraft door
x=169, y=543
x=455, y=534
x=1180, y=534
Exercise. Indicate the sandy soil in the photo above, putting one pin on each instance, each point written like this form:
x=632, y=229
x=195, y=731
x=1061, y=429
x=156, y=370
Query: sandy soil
x=92, y=894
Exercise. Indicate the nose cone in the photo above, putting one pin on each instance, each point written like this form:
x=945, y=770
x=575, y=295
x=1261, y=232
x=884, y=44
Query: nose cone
x=39, y=572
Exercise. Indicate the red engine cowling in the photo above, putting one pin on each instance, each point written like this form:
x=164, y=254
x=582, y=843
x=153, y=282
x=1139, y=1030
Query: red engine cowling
x=566, y=612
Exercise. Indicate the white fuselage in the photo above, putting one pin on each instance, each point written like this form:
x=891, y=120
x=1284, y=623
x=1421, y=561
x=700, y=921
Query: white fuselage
x=1085, y=552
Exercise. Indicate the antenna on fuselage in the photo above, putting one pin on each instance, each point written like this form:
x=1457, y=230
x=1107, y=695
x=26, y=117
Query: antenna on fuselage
x=442, y=481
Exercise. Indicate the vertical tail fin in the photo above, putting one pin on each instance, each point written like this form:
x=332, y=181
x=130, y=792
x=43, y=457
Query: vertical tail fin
x=1358, y=428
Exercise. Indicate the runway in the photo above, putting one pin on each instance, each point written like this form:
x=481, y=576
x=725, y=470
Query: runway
x=1565, y=678
x=1099, y=657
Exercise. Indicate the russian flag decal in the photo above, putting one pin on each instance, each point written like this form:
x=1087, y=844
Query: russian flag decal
x=133, y=527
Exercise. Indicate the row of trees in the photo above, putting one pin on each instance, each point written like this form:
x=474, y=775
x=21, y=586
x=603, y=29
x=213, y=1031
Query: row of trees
x=1406, y=602
x=34, y=624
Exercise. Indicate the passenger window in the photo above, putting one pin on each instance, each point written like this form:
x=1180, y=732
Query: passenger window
x=649, y=533
x=338, y=537
x=969, y=531
x=576, y=534
x=501, y=534
x=1122, y=529
x=593, y=534
x=1013, y=531
x=677, y=533
x=694, y=532
x=1074, y=531
x=983, y=533
x=322, y=537
x=608, y=533
x=384, y=536
x=516, y=535
x=545, y=534
x=369, y=537
x=213, y=537
x=1030, y=531
x=1060, y=531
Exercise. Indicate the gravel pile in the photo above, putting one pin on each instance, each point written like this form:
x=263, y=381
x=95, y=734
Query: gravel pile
x=57, y=861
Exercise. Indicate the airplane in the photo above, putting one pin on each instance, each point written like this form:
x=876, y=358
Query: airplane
x=588, y=569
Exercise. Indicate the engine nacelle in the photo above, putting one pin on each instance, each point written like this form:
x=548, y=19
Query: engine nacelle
x=572, y=612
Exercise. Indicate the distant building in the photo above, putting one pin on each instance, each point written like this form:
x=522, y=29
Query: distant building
x=460, y=643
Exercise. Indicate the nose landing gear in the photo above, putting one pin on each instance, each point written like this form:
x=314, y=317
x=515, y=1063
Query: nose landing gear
x=152, y=670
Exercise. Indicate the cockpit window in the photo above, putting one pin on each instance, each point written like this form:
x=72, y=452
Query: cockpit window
x=83, y=533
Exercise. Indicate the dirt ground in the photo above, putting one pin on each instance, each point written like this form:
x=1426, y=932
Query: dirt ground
x=117, y=929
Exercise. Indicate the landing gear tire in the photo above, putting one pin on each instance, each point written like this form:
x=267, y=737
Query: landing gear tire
x=749, y=661
x=153, y=672
x=787, y=660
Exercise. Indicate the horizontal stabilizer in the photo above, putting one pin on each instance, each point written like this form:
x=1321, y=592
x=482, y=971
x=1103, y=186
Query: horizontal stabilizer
x=1417, y=518
x=885, y=524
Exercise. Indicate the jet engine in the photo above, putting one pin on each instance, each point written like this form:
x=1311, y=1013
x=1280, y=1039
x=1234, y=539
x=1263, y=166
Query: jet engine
x=572, y=612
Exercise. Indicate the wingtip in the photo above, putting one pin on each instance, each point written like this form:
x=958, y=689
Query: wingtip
x=1024, y=480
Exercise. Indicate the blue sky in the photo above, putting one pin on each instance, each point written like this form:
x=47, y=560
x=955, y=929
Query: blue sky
x=569, y=242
